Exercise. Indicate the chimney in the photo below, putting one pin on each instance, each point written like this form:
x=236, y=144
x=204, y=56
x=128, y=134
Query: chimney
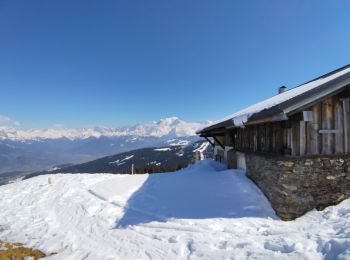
x=282, y=89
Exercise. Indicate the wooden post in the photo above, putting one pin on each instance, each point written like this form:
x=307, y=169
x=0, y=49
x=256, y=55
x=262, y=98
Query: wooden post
x=289, y=138
x=132, y=169
x=279, y=138
x=206, y=138
x=313, y=137
x=302, y=138
x=219, y=143
x=295, y=135
x=255, y=138
x=346, y=123
x=263, y=137
x=339, y=125
x=327, y=116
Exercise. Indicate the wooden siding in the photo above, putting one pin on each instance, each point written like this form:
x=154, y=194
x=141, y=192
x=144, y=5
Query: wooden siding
x=326, y=130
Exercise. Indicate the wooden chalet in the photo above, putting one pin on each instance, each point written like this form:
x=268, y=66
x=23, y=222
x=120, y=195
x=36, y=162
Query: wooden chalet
x=300, y=126
x=311, y=119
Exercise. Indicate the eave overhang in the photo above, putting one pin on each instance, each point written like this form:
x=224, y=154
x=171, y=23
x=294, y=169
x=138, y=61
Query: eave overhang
x=285, y=109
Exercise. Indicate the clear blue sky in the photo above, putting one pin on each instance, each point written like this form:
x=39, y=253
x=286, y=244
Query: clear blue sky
x=123, y=62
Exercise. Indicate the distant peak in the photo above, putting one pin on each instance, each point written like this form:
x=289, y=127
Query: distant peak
x=170, y=119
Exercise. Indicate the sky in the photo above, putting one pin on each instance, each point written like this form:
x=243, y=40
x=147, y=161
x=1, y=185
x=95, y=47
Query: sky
x=114, y=63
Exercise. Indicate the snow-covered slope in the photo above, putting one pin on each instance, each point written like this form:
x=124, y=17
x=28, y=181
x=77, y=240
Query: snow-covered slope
x=172, y=127
x=202, y=212
x=167, y=159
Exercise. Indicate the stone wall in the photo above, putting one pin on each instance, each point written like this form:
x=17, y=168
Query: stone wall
x=297, y=185
x=236, y=160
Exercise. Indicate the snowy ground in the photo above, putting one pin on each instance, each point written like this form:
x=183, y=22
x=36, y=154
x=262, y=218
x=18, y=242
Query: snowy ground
x=202, y=212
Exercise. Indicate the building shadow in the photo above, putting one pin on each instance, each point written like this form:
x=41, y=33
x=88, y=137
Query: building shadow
x=200, y=192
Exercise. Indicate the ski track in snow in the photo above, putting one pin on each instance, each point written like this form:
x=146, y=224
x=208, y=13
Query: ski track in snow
x=202, y=212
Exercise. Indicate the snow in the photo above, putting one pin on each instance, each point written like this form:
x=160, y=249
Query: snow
x=122, y=161
x=177, y=142
x=53, y=169
x=180, y=154
x=241, y=117
x=162, y=149
x=202, y=212
x=201, y=149
x=154, y=163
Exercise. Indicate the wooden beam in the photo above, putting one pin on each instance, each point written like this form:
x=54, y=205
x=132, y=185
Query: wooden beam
x=345, y=123
x=338, y=124
x=295, y=141
x=206, y=138
x=222, y=146
x=327, y=123
x=328, y=131
x=313, y=137
x=302, y=138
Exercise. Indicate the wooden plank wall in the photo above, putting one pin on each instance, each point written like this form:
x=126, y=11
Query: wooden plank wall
x=268, y=138
x=332, y=116
x=297, y=137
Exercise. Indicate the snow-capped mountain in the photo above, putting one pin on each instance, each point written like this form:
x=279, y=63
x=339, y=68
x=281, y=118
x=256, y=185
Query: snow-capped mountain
x=37, y=149
x=171, y=127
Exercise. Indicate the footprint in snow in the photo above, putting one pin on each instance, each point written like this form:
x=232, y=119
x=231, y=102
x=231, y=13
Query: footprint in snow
x=172, y=240
x=283, y=248
x=156, y=237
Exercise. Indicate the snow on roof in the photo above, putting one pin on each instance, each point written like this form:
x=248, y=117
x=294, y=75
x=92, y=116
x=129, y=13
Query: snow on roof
x=241, y=117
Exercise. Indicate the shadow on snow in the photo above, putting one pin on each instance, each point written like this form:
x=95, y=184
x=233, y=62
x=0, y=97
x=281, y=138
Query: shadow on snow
x=201, y=191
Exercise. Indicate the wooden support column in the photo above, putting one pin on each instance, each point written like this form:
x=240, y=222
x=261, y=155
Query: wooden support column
x=217, y=140
x=339, y=126
x=327, y=116
x=278, y=139
x=295, y=135
x=313, y=137
x=255, y=138
x=258, y=138
x=206, y=138
x=267, y=137
x=302, y=138
x=346, y=123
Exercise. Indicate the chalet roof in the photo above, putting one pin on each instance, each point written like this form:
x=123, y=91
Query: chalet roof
x=280, y=106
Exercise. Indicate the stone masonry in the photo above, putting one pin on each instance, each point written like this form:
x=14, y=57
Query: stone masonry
x=297, y=185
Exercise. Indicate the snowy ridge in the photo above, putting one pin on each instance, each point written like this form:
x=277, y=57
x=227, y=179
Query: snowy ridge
x=241, y=117
x=202, y=212
x=174, y=127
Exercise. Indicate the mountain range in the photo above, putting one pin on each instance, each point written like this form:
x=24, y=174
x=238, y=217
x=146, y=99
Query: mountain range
x=26, y=151
x=168, y=127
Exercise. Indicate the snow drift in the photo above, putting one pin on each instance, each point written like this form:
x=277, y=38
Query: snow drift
x=202, y=212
